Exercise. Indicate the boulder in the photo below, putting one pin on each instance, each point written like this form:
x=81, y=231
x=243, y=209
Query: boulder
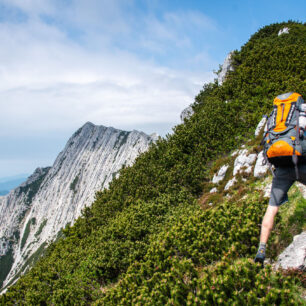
x=294, y=256
x=260, y=169
x=260, y=125
x=267, y=190
x=230, y=183
x=244, y=160
x=213, y=190
x=218, y=177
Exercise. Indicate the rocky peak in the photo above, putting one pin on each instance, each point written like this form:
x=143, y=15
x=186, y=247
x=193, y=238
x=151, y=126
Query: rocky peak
x=53, y=197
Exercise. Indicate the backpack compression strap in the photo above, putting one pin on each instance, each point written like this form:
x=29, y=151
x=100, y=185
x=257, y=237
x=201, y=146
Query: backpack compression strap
x=296, y=142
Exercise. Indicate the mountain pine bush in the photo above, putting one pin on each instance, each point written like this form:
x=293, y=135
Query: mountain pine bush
x=146, y=240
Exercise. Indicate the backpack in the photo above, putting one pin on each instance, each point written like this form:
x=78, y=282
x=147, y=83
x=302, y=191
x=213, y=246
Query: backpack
x=283, y=140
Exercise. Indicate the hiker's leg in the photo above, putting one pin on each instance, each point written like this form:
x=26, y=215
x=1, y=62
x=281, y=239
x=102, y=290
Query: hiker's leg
x=266, y=227
x=282, y=181
x=267, y=223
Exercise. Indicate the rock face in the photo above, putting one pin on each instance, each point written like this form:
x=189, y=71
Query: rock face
x=226, y=67
x=34, y=213
x=294, y=255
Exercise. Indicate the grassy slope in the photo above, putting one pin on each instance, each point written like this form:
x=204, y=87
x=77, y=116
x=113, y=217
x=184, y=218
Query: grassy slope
x=204, y=258
x=148, y=230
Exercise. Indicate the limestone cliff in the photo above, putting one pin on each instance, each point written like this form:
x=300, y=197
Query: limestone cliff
x=34, y=213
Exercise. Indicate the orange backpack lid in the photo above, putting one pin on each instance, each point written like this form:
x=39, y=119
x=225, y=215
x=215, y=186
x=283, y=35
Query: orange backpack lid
x=283, y=104
x=286, y=98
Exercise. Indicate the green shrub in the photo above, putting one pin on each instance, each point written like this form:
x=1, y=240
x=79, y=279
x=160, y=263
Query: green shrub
x=27, y=232
x=73, y=184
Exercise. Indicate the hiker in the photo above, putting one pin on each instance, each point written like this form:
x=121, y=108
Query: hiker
x=284, y=147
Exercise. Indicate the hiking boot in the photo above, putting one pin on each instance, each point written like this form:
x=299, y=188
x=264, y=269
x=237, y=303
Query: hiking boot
x=260, y=256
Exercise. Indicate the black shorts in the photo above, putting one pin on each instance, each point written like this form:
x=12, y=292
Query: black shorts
x=283, y=180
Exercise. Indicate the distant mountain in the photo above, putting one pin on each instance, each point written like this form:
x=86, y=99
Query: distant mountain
x=23, y=176
x=9, y=183
x=34, y=213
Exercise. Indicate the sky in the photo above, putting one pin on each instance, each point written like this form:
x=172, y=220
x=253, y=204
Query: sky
x=123, y=63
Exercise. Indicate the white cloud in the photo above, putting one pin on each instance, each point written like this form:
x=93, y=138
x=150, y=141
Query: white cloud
x=52, y=82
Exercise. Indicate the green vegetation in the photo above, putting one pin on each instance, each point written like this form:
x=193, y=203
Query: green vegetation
x=73, y=184
x=292, y=222
x=122, y=139
x=27, y=232
x=42, y=225
x=148, y=240
x=28, y=263
x=6, y=261
x=30, y=191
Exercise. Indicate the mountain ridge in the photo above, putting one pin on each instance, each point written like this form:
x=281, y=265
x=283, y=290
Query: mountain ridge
x=55, y=196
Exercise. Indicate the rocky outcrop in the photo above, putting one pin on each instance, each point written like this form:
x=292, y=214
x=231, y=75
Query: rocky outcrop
x=226, y=67
x=260, y=126
x=283, y=31
x=230, y=183
x=244, y=162
x=261, y=167
x=218, y=177
x=294, y=256
x=213, y=190
x=34, y=213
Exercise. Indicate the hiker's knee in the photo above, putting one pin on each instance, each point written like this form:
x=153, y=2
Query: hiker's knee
x=268, y=219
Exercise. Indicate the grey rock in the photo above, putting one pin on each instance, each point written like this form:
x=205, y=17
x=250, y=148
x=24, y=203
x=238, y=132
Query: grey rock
x=260, y=125
x=218, y=177
x=230, y=183
x=4, y=246
x=213, y=190
x=14, y=206
x=267, y=190
x=283, y=31
x=226, y=67
x=235, y=153
x=244, y=161
x=260, y=169
x=294, y=256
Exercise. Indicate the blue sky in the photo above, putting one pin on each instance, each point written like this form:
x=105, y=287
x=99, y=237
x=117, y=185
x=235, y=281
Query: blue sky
x=121, y=63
